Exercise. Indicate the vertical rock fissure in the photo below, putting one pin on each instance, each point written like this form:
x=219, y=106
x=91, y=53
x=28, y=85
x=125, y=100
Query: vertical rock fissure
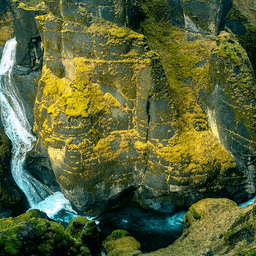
x=148, y=114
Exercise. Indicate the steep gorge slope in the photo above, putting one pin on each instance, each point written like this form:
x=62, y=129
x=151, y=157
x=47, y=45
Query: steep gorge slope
x=132, y=106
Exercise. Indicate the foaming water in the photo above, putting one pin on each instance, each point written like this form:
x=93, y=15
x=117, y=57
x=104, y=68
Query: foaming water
x=57, y=207
x=18, y=129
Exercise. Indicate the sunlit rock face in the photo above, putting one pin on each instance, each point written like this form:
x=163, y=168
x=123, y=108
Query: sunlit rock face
x=122, y=116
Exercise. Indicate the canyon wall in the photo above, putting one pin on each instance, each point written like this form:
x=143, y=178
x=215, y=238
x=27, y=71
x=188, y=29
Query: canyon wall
x=145, y=101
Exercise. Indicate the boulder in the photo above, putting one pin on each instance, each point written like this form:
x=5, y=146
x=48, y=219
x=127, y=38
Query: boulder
x=121, y=243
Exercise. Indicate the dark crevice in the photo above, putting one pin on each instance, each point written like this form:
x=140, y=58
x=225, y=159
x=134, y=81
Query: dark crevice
x=148, y=114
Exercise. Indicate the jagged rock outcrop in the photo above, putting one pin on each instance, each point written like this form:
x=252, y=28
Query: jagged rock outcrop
x=215, y=227
x=29, y=47
x=232, y=103
x=120, y=113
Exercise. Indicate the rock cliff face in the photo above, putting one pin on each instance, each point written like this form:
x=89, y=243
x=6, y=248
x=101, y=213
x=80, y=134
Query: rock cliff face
x=138, y=103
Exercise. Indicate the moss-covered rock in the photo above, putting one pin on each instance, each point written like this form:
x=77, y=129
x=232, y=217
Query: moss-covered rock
x=232, y=103
x=121, y=243
x=33, y=233
x=216, y=227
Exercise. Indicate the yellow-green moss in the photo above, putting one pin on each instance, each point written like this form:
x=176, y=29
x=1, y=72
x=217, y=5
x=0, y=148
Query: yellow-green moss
x=114, y=33
x=186, y=67
x=6, y=27
x=228, y=48
x=81, y=98
x=33, y=5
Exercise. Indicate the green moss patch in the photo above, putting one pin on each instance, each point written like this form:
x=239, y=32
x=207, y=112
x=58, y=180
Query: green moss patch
x=30, y=234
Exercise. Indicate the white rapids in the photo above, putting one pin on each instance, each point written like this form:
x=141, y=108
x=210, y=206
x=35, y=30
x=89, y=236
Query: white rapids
x=18, y=129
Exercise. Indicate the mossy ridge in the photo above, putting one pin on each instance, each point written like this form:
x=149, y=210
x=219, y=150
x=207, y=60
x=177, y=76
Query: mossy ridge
x=217, y=231
x=11, y=226
x=239, y=88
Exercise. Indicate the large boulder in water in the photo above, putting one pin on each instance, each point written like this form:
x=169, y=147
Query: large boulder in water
x=121, y=243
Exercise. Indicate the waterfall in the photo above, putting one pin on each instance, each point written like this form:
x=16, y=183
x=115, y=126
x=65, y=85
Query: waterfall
x=18, y=129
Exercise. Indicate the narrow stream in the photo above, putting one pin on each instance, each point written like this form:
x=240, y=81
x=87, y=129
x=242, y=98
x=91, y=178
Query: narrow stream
x=18, y=129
